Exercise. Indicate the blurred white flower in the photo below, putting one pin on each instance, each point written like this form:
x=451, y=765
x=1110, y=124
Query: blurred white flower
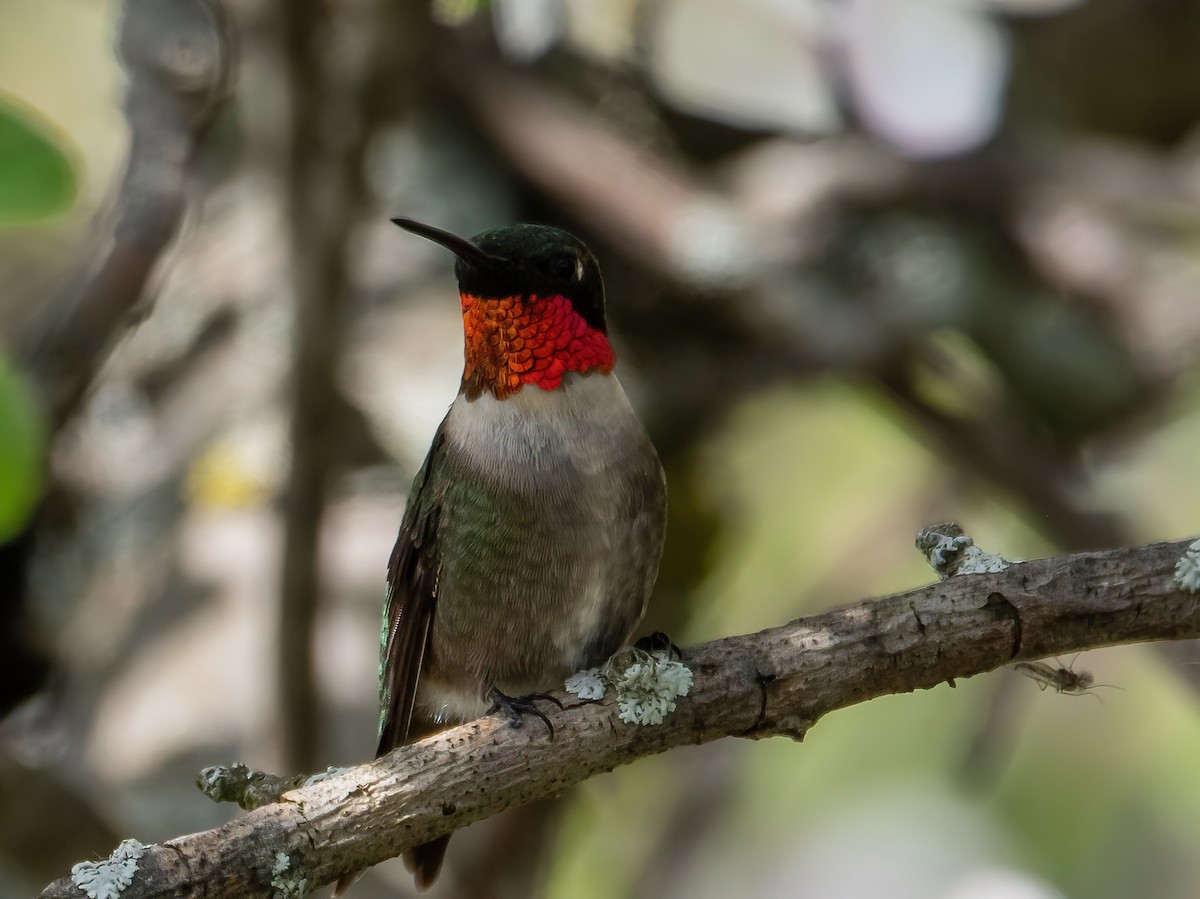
x=526, y=29
x=752, y=64
x=928, y=76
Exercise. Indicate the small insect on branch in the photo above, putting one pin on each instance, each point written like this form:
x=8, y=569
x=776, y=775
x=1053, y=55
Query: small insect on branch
x=1064, y=679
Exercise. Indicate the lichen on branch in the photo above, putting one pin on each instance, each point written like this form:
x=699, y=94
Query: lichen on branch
x=778, y=681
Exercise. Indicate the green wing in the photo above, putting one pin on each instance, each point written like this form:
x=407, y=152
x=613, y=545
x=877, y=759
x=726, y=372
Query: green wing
x=409, y=606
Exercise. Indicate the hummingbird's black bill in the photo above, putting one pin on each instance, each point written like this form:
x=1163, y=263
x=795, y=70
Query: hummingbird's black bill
x=459, y=246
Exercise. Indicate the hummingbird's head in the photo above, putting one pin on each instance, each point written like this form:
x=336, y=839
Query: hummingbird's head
x=533, y=307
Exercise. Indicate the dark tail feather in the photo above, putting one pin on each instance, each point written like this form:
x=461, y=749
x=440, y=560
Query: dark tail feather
x=425, y=861
x=343, y=883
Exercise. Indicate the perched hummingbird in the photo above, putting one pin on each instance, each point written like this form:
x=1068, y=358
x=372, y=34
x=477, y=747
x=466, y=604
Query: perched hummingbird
x=533, y=531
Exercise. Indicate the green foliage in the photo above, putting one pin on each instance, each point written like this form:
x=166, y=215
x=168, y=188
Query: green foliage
x=37, y=180
x=456, y=12
x=22, y=445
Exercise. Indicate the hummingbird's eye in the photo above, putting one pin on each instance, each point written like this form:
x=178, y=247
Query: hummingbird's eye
x=566, y=267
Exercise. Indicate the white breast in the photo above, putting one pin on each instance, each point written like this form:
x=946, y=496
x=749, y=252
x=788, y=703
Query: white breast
x=587, y=419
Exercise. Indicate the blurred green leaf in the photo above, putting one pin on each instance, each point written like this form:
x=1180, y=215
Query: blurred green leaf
x=22, y=443
x=456, y=12
x=37, y=179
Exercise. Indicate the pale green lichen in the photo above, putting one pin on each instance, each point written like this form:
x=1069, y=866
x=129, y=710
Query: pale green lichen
x=212, y=780
x=286, y=887
x=647, y=689
x=320, y=776
x=646, y=683
x=976, y=561
x=1187, y=570
x=586, y=684
x=107, y=879
x=951, y=552
x=674, y=676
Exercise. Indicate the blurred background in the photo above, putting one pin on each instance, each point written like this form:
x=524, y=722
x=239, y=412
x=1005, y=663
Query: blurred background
x=870, y=265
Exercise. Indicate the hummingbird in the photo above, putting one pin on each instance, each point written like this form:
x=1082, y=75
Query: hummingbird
x=533, y=531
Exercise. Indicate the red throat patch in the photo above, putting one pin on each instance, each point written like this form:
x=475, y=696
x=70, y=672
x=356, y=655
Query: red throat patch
x=519, y=340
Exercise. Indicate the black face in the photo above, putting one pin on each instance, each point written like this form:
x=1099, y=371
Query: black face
x=525, y=259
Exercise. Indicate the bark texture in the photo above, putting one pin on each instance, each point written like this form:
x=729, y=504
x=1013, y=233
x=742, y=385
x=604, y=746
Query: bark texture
x=776, y=682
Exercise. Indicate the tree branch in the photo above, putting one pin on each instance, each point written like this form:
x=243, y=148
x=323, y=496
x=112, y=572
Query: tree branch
x=776, y=682
x=177, y=57
x=340, y=69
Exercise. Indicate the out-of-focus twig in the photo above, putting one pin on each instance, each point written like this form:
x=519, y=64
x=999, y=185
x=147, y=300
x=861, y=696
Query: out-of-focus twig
x=177, y=56
x=652, y=210
x=337, y=73
x=1005, y=454
x=1114, y=224
x=323, y=199
x=36, y=802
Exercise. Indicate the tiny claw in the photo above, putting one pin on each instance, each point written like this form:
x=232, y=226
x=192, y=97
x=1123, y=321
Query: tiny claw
x=659, y=642
x=517, y=707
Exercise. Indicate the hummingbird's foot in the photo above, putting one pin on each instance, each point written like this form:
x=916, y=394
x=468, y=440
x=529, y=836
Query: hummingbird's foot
x=518, y=707
x=660, y=642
